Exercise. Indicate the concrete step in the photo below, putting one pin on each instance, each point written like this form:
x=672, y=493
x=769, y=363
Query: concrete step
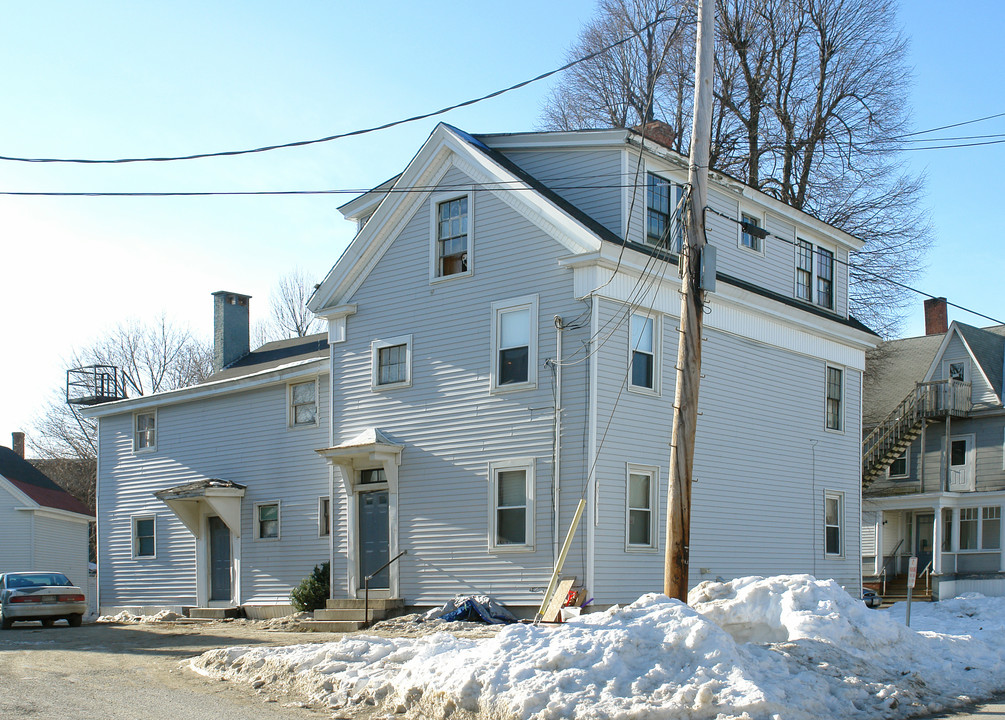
x=213, y=613
x=349, y=614
x=332, y=626
x=375, y=604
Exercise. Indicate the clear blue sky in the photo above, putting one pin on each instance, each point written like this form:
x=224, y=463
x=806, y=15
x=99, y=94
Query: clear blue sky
x=118, y=79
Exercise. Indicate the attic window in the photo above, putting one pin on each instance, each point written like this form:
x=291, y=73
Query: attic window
x=452, y=237
x=751, y=232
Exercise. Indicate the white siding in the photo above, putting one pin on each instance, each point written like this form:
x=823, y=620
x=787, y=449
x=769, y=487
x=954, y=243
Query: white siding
x=15, y=535
x=243, y=437
x=448, y=421
x=763, y=463
x=869, y=522
x=61, y=545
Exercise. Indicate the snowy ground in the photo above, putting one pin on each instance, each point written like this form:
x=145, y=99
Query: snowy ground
x=785, y=648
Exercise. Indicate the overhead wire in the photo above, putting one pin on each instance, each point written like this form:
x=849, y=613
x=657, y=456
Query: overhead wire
x=350, y=133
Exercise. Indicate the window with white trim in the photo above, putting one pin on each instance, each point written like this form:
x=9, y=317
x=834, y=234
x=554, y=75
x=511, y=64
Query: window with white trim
x=511, y=525
x=969, y=528
x=144, y=431
x=304, y=404
x=514, y=342
x=825, y=278
x=991, y=527
x=267, y=521
x=643, y=334
x=898, y=468
x=640, y=529
x=392, y=362
x=956, y=370
x=947, y=529
x=833, y=523
x=751, y=232
x=144, y=536
x=324, y=516
x=452, y=238
x=664, y=226
x=804, y=270
x=835, y=398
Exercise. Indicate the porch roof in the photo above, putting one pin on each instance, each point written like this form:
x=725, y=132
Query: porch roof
x=222, y=497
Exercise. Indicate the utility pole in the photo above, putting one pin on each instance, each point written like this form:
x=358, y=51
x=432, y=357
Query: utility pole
x=685, y=409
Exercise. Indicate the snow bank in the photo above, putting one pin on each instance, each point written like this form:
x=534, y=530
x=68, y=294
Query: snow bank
x=127, y=617
x=784, y=647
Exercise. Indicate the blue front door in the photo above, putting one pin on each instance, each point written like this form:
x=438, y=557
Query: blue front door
x=219, y=560
x=373, y=538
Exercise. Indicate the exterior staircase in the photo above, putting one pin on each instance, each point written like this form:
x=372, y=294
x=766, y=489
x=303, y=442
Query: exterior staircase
x=889, y=439
x=343, y=615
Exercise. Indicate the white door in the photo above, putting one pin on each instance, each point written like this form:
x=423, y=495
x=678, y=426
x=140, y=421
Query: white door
x=961, y=464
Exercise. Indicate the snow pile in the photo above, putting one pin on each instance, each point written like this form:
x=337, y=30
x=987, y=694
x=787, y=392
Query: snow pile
x=790, y=646
x=127, y=617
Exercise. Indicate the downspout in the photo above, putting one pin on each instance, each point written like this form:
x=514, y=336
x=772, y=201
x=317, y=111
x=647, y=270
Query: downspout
x=556, y=525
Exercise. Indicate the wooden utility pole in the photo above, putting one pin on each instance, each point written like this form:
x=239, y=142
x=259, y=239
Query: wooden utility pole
x=685, y=409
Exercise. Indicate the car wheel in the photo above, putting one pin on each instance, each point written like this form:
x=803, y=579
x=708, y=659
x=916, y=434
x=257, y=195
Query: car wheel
x=75, y=619
x=48, y=622
x=5, y=622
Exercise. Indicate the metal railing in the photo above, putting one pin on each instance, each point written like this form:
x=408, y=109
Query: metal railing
x=366, y=587
x=927, y=572
x=938, y=398
x=883, y=573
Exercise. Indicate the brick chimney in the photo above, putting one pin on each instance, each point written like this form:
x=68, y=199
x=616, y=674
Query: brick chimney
x=936, y=316
x=231, y=328
x=17, y=442
x=659, y=132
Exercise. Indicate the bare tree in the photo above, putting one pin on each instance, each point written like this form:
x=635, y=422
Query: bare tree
x=810, y=101
x=290, y=316
x=157, y=357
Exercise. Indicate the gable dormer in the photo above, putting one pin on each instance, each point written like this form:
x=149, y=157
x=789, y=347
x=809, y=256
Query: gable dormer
x=972, y=355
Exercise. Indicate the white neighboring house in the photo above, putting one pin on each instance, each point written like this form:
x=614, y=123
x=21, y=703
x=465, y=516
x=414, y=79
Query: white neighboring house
x=42, y=527
x=496, y=351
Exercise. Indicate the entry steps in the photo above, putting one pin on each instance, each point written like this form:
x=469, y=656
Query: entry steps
x=343, y=615
x=214, y=613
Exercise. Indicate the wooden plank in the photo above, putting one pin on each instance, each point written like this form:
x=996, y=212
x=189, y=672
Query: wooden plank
x=552, y=614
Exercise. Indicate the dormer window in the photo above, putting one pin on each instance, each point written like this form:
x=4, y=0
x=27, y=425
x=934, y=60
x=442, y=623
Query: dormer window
x=751, y=233
x=825, y=278
x=664, y=228
x=452, y=237
x=814, y=274
x=958, y=371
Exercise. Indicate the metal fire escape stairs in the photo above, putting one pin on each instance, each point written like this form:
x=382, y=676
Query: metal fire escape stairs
x=937, y=399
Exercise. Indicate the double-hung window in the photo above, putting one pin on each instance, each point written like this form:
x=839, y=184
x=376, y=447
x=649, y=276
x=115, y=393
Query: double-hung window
x=144, y=431
x=267, y=521
x=641, y=508
x=898, y=468
x=514, y=342
x=304, y=404
x=968, y=528
x=144, y=537
x=324, y=516
x=452, y=238
x=643, y=352
x=512, y=505
x=664, y=226
x=804, y=271
x=835, y=398
x=825, y=278
x=991, y=527
x=833, y=523
x=751, y=232
x=392, y=362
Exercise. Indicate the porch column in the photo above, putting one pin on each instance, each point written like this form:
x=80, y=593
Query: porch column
x=937, y=542
x=878, y=560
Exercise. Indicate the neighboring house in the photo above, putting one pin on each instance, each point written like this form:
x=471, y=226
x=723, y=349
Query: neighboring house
x=934, y=457
x=42, y=527
x=497, y=352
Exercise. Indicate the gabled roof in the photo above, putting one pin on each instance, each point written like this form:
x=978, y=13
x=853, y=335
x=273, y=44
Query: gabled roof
x=36, y=485
x=893, y=368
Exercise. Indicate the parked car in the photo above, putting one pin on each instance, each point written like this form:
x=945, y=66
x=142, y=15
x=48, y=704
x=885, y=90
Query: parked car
x=871, y=598
x=43, y=596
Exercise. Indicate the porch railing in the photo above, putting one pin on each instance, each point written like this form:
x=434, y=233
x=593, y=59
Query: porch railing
x=889, y=439
x=366, y=587
x=884, y=573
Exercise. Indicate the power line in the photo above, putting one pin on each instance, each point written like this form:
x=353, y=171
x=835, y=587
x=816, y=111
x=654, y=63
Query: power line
x=946, y=127
x=351, y=133
x=860, y=269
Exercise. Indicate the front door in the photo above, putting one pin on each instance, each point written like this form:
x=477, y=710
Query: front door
x=924, y=535
x=961, y=464
x=374, y=550
x=219, y=560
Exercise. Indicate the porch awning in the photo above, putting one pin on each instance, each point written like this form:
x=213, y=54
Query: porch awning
x=222, y=497
x=369, y=447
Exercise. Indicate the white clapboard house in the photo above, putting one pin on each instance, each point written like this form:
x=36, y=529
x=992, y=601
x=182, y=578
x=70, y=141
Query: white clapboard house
x=502, y=335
